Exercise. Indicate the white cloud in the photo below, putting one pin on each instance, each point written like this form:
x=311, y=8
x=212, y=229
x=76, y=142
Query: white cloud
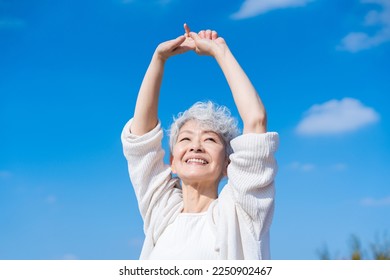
x=251, y=8
x=305, y=167
x=308, y=167
x=358, y=41
x=336, y=117
x=339, y=167
x=385, y=201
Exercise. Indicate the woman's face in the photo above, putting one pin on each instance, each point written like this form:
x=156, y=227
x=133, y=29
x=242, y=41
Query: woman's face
x=199, y=155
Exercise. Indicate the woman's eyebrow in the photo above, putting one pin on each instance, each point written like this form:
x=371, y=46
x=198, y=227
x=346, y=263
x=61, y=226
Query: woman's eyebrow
x=191, y=132
x=210, y=132
x=186, y=131
x=203, y=132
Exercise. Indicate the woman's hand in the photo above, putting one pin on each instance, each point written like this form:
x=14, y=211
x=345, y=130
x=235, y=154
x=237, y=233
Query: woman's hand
x=206, y=42
x=173, y=47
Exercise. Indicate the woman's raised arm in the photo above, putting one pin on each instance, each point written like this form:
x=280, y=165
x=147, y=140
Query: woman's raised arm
x=246, y=98
x=145, y=113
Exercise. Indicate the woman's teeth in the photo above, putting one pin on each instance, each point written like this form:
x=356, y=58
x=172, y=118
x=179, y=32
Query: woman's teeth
x=196, y=160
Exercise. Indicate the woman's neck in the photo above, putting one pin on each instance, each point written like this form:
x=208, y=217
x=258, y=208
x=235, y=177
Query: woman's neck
x=197, y=198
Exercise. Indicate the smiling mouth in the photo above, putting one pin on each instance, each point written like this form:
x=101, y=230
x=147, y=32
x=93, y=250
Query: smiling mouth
x=196, y=161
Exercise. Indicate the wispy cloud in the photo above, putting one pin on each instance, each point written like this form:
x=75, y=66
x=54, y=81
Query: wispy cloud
x=380, y=18
x=308, y=167
x=336, y=117
x=375, y=202
x=339, y=167
x=304, y=167
x=11, y=23
x=251, y=8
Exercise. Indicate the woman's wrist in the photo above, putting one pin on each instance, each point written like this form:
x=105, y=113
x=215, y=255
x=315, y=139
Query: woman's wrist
x=159, y=58
x=221, y=54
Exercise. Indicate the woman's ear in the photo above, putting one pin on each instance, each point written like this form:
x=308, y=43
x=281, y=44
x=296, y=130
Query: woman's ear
x=170, y=162
x=226, y=164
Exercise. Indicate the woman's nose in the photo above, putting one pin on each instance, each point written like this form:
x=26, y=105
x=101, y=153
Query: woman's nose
x=196, y=146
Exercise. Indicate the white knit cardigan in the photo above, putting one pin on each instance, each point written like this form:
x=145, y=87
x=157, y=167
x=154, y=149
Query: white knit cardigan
x=244, y=209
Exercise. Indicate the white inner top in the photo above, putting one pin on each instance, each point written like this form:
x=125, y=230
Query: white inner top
x=190, y=236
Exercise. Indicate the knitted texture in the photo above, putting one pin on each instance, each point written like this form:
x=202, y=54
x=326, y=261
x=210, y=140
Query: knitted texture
x=243, y=212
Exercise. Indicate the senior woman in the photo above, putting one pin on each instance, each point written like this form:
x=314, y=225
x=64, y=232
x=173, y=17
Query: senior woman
x=184, y=216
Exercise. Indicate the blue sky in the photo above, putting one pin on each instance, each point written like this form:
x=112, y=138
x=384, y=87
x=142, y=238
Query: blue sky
x=69, y=77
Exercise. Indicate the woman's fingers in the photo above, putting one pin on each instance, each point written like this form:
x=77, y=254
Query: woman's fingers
x=195, y=36
x=208, y=34
x=167, y=47
x=205, y=42
x=214, y=35
x=177, y=42
x=187, y=29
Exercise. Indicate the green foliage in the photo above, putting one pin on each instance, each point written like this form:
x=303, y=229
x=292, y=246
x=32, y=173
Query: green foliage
x=378, y=250
x=357, y=251
x=381, y=249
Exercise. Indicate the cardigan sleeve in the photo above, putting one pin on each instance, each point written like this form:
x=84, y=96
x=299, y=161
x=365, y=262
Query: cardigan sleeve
x=251, y=175
x=152, y=181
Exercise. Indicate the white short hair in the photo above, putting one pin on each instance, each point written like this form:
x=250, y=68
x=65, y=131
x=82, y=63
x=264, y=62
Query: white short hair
x=215, y=117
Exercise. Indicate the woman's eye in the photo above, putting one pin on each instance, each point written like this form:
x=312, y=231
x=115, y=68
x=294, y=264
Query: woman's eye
x=211, y=139
x=184, y=139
